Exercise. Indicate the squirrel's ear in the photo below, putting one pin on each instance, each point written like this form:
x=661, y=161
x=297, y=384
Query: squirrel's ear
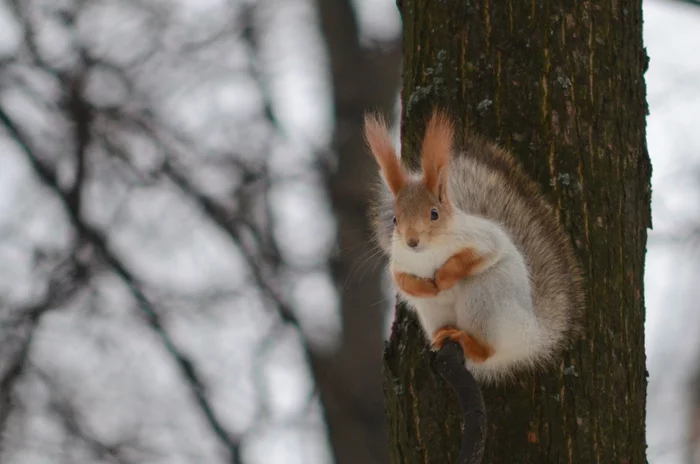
x=379, y=142
x=437, y=151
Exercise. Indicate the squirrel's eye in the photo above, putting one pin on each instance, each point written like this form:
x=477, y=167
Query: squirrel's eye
x=434, y=214
x=394, y=220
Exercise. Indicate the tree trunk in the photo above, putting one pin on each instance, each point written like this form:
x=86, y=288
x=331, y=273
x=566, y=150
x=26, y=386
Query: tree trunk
x=350, y=379
x=560, y=84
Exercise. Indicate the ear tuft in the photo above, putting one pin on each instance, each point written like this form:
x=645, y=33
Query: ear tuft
x=437, y=151
x=379, y=142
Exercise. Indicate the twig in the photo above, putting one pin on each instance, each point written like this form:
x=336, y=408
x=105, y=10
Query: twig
x=17, y=365
x=81, y=114
x=69, y=416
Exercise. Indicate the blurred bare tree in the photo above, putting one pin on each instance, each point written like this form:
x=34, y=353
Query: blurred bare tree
x=166, y=290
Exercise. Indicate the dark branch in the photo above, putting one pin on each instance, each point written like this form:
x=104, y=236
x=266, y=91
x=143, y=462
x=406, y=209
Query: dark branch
x=62, y=287
x=449, y=362
x=230, y=225
x=81, y=114
x=17, y=365
x=69, y=416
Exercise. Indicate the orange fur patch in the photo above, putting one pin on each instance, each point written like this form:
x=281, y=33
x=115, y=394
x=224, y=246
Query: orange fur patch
x=379, y=142
x=461, y=265
x=437, y=150
x=415, y=286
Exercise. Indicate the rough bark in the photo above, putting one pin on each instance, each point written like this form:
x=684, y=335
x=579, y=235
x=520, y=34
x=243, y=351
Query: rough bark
x=560, y=84
x=350, y=379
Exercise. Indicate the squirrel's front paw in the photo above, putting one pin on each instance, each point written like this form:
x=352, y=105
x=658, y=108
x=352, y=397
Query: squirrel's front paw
x=415, y=286
x=460, y=266
x=445, y=279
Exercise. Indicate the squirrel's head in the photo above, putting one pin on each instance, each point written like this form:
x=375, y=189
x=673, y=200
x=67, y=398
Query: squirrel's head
x=422, y=207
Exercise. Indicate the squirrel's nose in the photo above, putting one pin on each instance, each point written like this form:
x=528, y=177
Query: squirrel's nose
x=412, y=242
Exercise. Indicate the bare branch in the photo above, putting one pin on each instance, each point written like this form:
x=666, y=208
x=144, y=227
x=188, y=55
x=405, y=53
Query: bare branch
x=17, y=364
x=69, y=416
x=80, y=113
x=218, y=215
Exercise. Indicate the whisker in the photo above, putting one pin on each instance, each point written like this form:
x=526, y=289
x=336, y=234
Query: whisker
x=360, y=263
x=382, y=300
x=374, y=267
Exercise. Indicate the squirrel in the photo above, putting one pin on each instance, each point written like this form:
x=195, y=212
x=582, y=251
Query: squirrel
x=475, y=250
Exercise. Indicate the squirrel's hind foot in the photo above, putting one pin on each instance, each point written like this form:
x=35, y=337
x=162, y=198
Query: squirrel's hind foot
x=474, y=349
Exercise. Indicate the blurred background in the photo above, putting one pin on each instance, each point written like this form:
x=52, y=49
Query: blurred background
x=184, y=275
